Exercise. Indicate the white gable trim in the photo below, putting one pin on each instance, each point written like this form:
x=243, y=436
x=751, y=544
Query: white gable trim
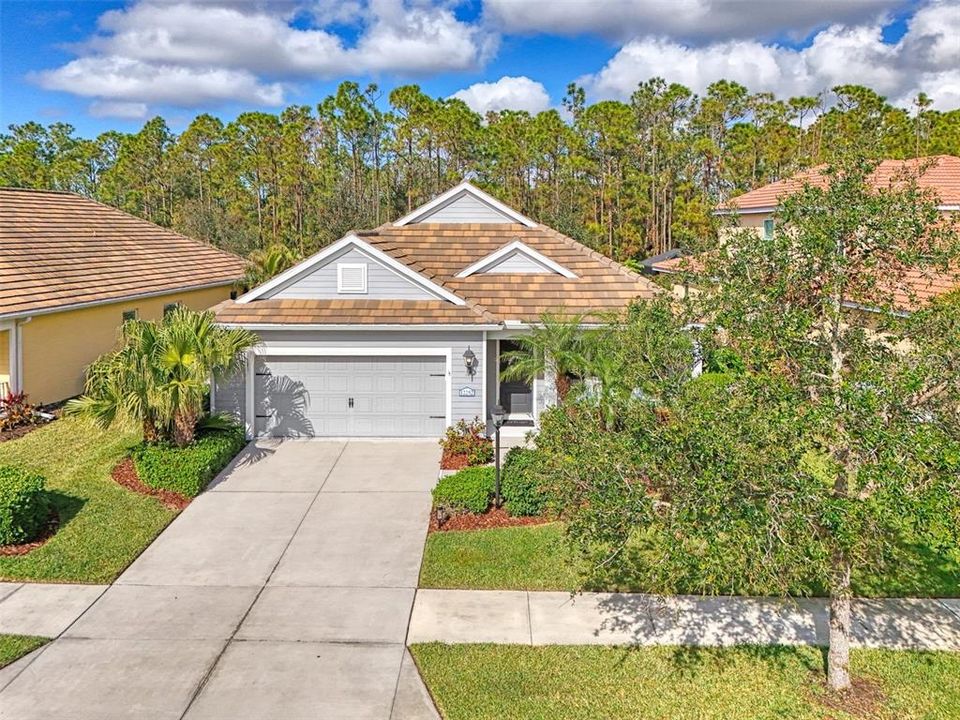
x=331, y=250
x=519, y=247
x=468, y=188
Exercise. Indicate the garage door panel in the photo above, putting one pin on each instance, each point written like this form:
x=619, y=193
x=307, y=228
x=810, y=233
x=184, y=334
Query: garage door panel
x=392, y=396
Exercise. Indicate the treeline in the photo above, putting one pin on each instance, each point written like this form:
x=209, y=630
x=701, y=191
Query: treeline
x=627, y=178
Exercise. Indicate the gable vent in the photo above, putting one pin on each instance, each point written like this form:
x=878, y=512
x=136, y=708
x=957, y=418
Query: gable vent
x=351, y=277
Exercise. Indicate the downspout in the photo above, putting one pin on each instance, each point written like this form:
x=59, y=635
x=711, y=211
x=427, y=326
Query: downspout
x=16, y=354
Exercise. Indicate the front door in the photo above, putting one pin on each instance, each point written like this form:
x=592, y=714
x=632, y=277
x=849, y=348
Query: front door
x=516, y=396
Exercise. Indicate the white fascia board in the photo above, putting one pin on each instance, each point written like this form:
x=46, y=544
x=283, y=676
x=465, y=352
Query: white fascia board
x=746, y=211
x=405, y=328
x=468, y=187
x=354, y=241
x=520, y=247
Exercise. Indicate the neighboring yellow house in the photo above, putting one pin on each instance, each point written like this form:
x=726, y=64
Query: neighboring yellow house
x=757, y=210
x=72, y=270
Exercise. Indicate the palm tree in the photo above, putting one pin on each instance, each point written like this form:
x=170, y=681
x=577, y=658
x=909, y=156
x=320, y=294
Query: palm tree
x=160, y=373
x=269, y=262
x=554, y=347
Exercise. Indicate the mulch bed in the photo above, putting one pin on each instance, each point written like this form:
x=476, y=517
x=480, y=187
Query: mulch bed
x=864, y=699
x=19, y=431
x=23, y=548
x=126, y=474
x=492, y=518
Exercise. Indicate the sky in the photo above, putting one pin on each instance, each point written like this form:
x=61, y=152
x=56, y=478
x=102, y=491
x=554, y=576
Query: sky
x=113, y=65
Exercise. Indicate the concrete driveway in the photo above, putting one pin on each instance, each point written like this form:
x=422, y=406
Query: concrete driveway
x=284, y=591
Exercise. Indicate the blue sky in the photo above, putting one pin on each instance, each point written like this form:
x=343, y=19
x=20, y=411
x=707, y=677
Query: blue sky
x=111, y=65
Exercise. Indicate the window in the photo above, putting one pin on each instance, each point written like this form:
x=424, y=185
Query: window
x=169, y=308
x=768, y=229
x=351, y=277
x=129, y=315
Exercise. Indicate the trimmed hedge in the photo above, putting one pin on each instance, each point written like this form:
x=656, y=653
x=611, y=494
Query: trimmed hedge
x=466, y=491
x=519, y=484
x=188, y=470
x=24, y=506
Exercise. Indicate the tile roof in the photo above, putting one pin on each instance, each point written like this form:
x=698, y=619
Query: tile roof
x=941, y=174
x=59, y=249
x=350, y=312
x=439, y=251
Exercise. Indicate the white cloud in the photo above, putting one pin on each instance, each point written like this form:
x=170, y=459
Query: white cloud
x=507, y=93
x=117, y=109
x=695, y=20
x=196, y=53
x=927, y=59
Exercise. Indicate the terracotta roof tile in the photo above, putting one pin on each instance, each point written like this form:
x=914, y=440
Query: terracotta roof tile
x=941, y=175
x=60, y=249
x=349, y=312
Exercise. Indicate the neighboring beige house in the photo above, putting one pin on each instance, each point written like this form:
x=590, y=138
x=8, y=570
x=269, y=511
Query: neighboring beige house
x=757, y=209
x=72, y=270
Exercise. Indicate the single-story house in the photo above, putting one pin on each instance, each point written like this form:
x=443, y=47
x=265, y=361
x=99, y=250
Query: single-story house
x=757, y=210
x=400, y=331
x=72, y=270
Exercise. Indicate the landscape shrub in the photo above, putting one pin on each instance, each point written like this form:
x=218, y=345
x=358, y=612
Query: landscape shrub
x=466, y=491
x=466, y=444
x=16, y=411
x=520, y=484
x=24, y=506
x=187, y=470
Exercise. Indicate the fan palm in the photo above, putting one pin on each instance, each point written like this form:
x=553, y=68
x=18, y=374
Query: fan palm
x=160, y=373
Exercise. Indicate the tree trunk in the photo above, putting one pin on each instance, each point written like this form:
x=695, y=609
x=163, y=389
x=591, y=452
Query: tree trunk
x=838, y=655
x=183, y=428
x=150, y=433
x=562, y=383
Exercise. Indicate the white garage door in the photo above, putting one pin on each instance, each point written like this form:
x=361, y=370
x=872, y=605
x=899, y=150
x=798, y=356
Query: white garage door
x=351, y=396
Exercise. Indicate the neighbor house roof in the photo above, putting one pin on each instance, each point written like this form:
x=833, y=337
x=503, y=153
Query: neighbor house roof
x=940, y=173
x=59, y=250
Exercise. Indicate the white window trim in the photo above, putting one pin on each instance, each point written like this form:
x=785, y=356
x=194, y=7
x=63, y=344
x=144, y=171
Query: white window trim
x=464, y=187
x=331, y=251
x=351, y=266
x=521, y=248
x=314, y=351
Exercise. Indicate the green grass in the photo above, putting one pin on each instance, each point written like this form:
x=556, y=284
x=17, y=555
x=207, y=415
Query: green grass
x=103, y=526
x=479, y=682
x=536, y=558
x=13, y=647
x=517, y=558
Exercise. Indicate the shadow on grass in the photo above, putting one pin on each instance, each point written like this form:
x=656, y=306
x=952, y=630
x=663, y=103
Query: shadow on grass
x=66, y=506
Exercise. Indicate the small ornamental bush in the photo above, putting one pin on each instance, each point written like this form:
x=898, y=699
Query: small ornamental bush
x=187, y=470
x=468, y=491
x=15, y=411
x=24, y=507
x=520, y=485
x=466, y=444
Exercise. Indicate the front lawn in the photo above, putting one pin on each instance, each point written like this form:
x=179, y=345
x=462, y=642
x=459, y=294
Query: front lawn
x=13, y=647
x=479, y=682
x=103, y=526
x=536, y=558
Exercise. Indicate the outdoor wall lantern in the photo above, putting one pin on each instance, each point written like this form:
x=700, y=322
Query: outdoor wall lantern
x=470, y=361
x=498, y=415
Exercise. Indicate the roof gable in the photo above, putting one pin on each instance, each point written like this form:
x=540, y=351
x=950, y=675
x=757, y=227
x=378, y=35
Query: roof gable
x=464, y=203
x=278, y=286
x=516, y=257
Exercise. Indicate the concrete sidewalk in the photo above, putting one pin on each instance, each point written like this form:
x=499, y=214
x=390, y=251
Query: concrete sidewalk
x=284, y=591
x=555, y=618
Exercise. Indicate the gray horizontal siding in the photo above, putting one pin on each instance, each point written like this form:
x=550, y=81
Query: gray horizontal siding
x=383, y=283
x=229, y=396
x=465, y=208
x=518, y=262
